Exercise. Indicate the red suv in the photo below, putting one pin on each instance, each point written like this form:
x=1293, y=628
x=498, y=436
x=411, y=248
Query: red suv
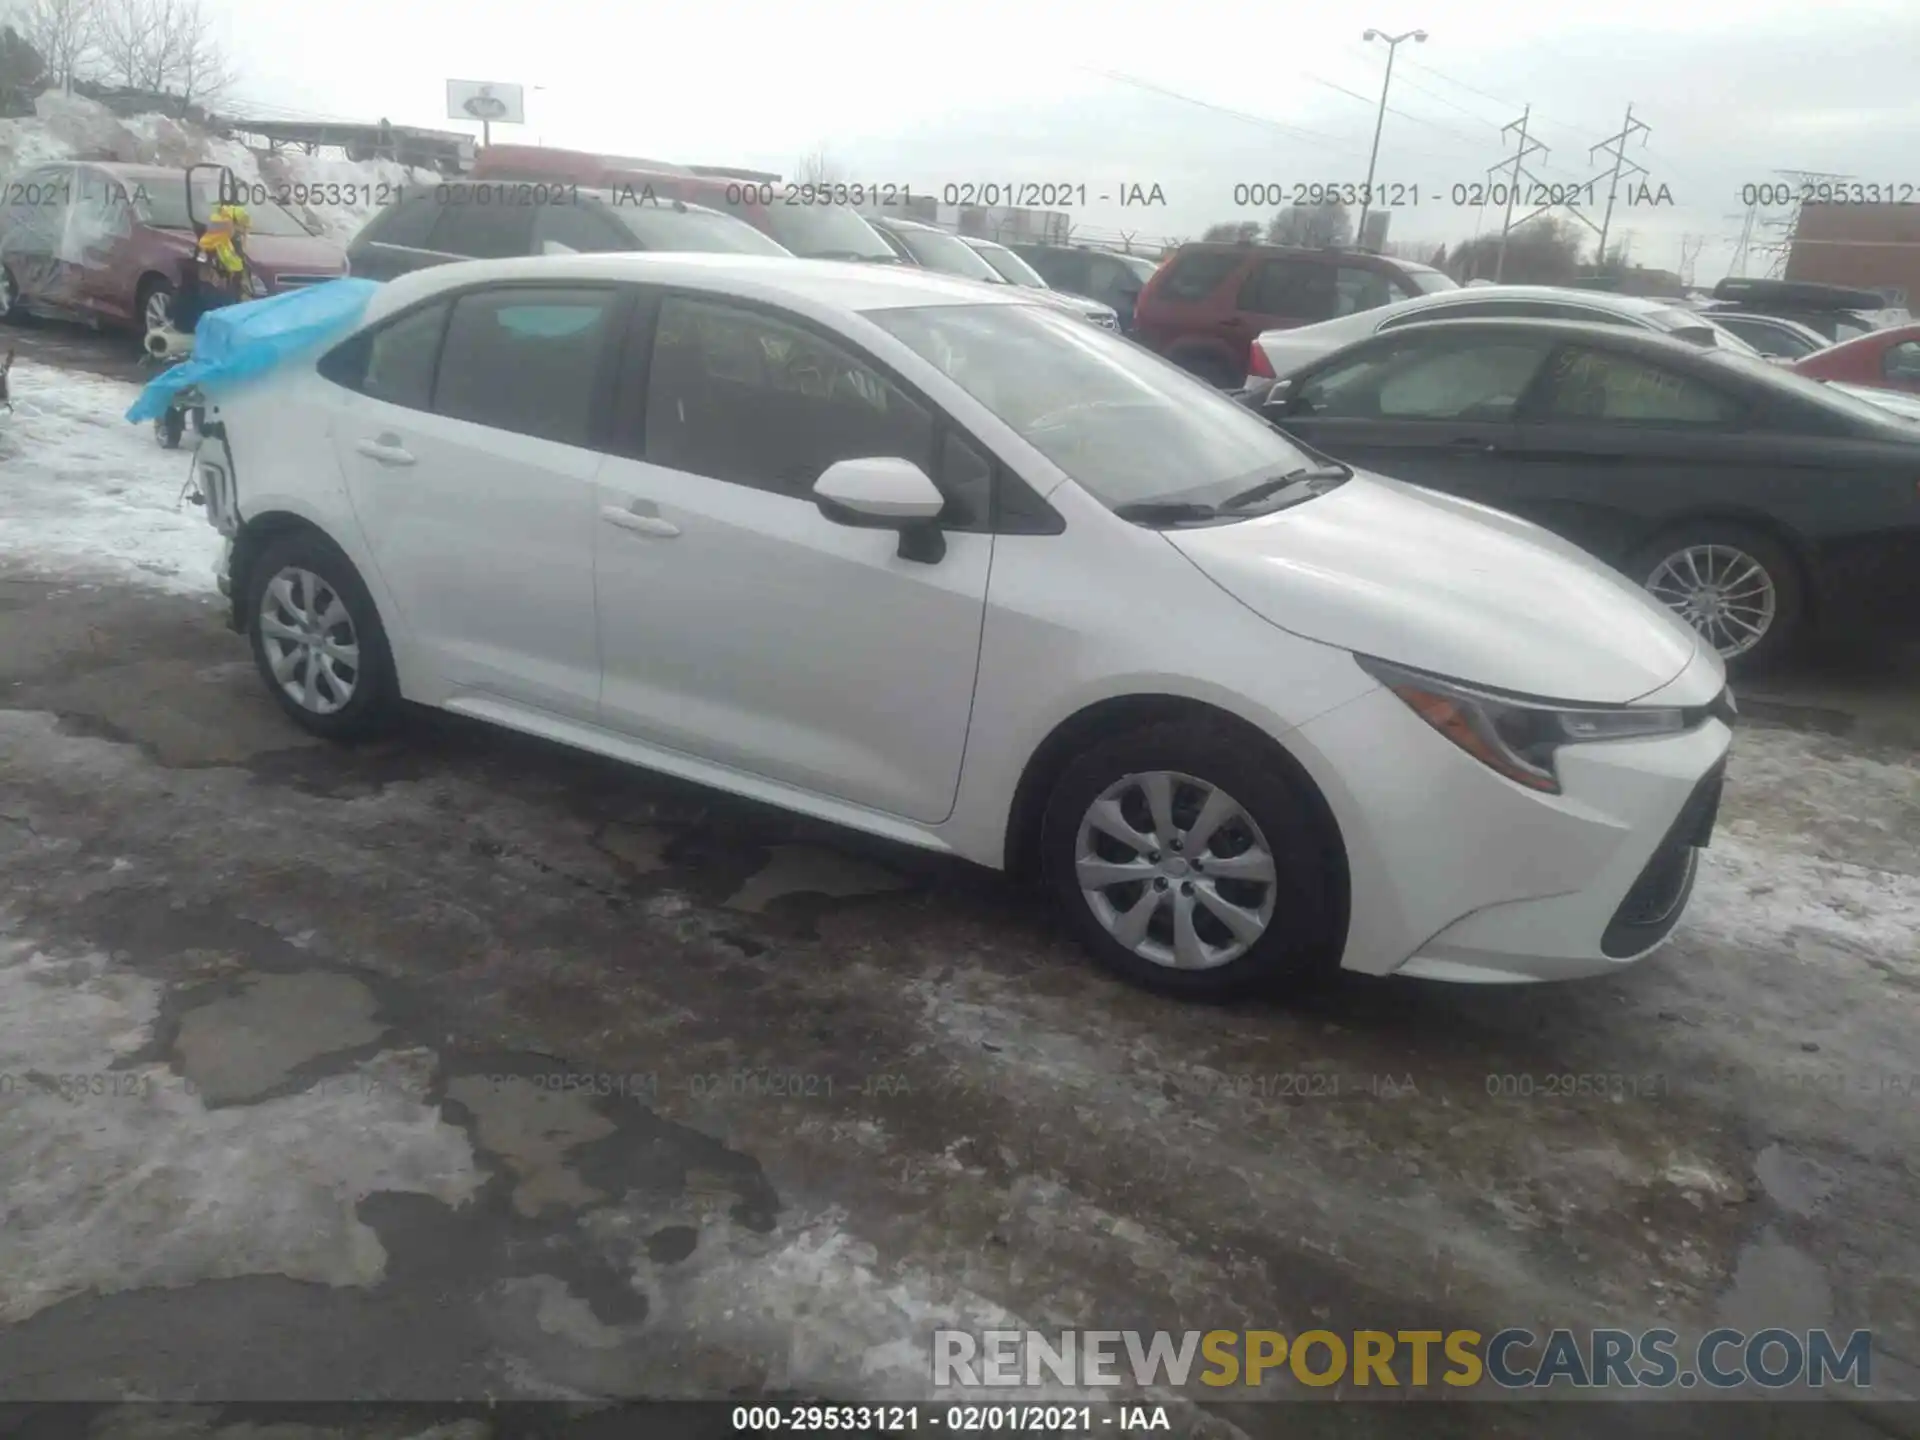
x=774, y=207
x=1204, y=305
x=108, y=243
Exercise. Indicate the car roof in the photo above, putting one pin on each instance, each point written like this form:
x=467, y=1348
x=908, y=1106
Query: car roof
x=901, y=222
x=1566, y=294
x=847, y=286
x=1652, y=342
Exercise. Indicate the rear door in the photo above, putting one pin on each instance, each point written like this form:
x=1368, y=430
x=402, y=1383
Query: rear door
x=1282, y=294
x=468, y=435
x=575, y=226
x=1429, y=406
x=100, y=233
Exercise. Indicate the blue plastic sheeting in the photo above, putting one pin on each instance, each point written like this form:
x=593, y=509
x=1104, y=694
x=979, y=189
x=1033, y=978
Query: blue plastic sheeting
x=239, y=341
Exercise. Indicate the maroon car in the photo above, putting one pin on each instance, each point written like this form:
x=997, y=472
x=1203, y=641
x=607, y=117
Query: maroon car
x=108, y=243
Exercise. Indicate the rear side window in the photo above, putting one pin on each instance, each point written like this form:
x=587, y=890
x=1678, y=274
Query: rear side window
x=407, y=223
x=1599, y=385
x=1291, y=289
x=394, y=363
x=525, y=359
x=1356, y=289
x=1198, y=274
x=1902, y=362
x=482, y=231
x=578, y=227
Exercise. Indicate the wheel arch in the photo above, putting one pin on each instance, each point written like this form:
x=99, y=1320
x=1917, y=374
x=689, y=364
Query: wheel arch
x=1125, y=712
x=254, y=536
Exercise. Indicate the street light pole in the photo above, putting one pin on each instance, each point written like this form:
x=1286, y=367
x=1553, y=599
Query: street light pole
x=1419, y=37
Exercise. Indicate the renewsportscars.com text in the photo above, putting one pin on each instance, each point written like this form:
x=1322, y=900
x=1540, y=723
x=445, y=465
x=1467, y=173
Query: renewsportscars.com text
x=1511, y=1359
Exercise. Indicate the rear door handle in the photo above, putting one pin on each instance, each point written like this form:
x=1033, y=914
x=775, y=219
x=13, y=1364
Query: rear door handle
x=387, y=450
x=638, y=523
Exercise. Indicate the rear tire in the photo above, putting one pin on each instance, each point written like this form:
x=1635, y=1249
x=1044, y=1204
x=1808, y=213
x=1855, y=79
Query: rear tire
x=317, y=639
x=1725, y=578
x=1241, y=885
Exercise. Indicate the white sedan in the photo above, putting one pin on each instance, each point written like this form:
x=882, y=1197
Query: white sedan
x=887, y=549
x=1276, y=354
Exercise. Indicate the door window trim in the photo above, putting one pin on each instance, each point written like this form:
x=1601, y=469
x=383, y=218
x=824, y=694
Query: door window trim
x=1015, y=507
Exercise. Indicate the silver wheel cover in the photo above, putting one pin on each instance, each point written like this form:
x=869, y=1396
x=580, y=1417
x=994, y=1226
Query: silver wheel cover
x=310, y=642
x=1175, y=869
x=1723, y=592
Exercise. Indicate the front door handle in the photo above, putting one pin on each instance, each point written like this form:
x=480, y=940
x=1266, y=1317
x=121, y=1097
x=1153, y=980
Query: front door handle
x=638, y=523
x=387, y=449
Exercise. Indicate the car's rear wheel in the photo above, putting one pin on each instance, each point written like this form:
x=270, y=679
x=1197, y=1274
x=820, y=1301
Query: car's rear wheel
x=1188, y=861
x=155, y=305
x=317, y=639
x=1738, y=588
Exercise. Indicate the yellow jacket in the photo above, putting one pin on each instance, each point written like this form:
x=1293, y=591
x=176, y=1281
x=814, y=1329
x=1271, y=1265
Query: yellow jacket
x=227, y=225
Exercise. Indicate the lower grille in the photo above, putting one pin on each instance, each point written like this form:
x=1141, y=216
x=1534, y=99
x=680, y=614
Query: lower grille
x=1658, y=896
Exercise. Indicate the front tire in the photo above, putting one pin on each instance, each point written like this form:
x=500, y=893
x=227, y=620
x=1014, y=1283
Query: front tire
x=1189, y=861
x=154, y=307
x=1739, y=589
x=317, y=639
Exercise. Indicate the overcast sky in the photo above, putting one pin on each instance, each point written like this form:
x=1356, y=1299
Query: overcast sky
x=1195, y=98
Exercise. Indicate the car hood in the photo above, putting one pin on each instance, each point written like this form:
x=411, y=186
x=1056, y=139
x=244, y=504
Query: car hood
x=1444, y=585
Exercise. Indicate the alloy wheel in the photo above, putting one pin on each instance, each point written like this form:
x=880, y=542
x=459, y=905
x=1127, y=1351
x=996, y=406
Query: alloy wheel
x=159, y=312
x=310, y=641
x=1722, y=591
x=1176, y=870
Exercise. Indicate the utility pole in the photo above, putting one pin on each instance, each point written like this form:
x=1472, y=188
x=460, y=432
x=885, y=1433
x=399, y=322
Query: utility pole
x=1525, y=148
x=1779, y=249
x=1419, y=37
x=1616, y=146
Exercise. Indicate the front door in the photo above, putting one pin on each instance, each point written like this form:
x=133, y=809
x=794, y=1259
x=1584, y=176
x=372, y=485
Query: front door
x=471, y=463
x=737, y=623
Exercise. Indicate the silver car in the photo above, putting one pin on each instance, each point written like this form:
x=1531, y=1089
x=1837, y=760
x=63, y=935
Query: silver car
x=1281, y=352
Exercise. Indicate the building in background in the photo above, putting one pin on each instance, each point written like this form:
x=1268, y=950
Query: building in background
x=1871, y=247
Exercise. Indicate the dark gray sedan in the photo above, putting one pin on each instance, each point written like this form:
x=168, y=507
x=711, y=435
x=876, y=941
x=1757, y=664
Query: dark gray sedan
x=1753, y=501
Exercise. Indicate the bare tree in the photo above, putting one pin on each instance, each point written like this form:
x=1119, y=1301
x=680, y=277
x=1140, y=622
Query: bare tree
x=202, y=71
x=63, y=32
x=1241, y=232
x=1544, y=251
x=1311, y=226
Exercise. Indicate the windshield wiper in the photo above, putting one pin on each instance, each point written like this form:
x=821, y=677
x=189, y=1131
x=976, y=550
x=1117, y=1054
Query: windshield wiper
x=1312, y=479
x=1165, y=512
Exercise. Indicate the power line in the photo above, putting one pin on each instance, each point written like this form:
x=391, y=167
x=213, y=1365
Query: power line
x=1310, y=136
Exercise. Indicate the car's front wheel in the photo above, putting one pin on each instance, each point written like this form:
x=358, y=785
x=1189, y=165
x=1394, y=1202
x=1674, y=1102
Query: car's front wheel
x=317, y=639
x=1189, y=861
x=1738, y=588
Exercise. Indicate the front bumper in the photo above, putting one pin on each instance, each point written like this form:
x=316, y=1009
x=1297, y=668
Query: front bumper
x=1458, y=874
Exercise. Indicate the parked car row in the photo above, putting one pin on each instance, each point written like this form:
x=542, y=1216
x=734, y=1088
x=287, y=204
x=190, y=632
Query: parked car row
x=1756, y=503
x=870, y=543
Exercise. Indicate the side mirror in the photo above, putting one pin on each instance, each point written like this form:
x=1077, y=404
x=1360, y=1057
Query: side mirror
x=885, y=493
x=1278, y=397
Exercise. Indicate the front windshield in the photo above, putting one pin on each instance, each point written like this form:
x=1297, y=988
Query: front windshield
x=827, y=232
x=1122, y=422
x=1432, y=282
x=1141, y=267
x=163, y=206
x=948, y=254
x=661, y=227
x=1011, y=267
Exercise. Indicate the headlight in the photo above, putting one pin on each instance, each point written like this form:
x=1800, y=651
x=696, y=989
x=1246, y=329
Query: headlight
x=1517, y=737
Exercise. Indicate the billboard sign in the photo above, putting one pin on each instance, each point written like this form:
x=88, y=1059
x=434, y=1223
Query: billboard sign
x=487, y=101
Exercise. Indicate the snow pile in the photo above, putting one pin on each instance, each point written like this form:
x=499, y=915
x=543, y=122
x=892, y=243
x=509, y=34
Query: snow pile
x=87, y=494
x=72, y=127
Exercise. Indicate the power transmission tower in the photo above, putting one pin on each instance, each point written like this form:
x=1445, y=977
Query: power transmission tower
x=1745, y=243
x=1525, y=148
x=1616, y=146
x=1784, y=227
x=1690, y=248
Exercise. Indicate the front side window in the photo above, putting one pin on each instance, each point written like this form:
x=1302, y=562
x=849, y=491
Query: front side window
x=408, y=222
x=1447, y=378
x=162, y=205
x=947, y=254
x=661, y=225
x=1432, y=282
x=1123, y=423
x=743, y=396
x=1011, y=267
x=525, y=358
x=817, y=232
x=1356, y=289
x=483, y=231
x=570, y=227
x=1600, y=385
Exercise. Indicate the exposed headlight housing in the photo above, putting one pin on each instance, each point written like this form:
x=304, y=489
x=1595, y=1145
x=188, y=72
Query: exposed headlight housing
x=1516, y=736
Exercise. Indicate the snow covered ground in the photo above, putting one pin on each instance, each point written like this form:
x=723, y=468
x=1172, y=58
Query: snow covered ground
x=72, y=127
x=90, y=495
